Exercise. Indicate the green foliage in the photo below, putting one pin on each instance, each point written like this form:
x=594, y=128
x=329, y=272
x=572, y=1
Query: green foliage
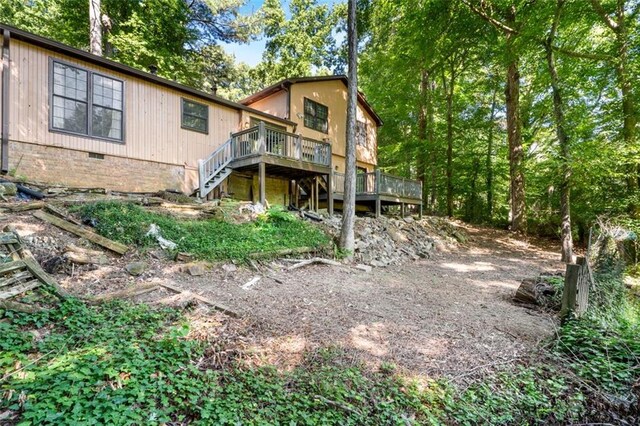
x=206, y=239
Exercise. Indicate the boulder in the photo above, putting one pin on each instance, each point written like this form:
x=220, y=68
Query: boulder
x=136, y=268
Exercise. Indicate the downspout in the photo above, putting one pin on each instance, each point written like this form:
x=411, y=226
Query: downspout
x=6, y=74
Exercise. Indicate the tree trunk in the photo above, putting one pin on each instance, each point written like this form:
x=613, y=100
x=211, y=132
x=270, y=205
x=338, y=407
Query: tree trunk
x=423, y=146
x=448, y=86
x=349, y=202
x=563, y=141
x=95, y=28
x=514, y=131
x=489, y=161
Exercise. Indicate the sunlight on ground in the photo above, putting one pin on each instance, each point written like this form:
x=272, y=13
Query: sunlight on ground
x=369, y=338
x=474, y=267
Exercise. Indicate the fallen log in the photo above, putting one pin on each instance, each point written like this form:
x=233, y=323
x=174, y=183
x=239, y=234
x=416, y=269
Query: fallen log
x=9, y=305
x=284, y=252
x=126, y=293
x=314, y=260
x=83, y=256
x=23, y=207
x=214, y=305
x=82, y=232
x=533, y=291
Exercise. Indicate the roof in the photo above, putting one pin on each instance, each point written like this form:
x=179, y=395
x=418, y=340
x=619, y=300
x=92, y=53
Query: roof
x=281, y=85
x=55, y=46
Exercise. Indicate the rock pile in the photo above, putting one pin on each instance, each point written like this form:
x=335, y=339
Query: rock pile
x=389, y=241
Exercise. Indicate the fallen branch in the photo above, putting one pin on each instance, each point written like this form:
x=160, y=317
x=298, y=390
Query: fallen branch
x=216, y=306
x=251, y=283
x=125, y=294
x=314, y=260
x=284, y=252
x=338, y=405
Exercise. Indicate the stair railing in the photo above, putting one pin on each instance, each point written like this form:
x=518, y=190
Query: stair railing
x=214, y=164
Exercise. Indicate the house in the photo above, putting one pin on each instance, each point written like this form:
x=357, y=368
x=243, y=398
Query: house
x=81, y=120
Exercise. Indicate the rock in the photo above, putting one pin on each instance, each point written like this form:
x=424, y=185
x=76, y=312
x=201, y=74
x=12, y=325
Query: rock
x=397, y=236
x=229, y=268
x=184, y=257
x=8, y=188
x=136, y=268
x=195, y=269
x=378, y=263
x=408, y=219
x=365, y=268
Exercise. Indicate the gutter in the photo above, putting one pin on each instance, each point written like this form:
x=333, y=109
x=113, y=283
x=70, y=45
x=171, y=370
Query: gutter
x=6, y=74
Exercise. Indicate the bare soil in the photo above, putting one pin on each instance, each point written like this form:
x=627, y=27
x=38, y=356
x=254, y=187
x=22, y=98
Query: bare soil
x=450, y=315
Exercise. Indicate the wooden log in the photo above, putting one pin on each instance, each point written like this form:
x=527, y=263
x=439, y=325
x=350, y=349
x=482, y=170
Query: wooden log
x=40, y=274
x=23, y=207
x=16, y=278
x=20, y=288
x=61, y=213
x=126, y=293
x=11, y=266
x=82, y=232
x=83, y=256
x=9, y=305
x=284, y=252
x=214, y=305
x=532, y=291
x=314, y=260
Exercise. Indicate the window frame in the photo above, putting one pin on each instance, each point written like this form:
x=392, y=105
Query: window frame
x=365, y=137
x=90, y=74
x=193, y=129
x=315, y=118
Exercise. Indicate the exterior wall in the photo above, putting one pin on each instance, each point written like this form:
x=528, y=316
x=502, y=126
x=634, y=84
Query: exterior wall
x=245, y=122
x=333, y=94
x=245, y=187
x=74, y=168
x=152, y=115
x=276, y=104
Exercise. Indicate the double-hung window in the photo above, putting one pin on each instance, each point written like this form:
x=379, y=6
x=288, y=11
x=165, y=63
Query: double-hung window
x=316, y=116
x=195, y=116
x=86, y=103
x=361, y=133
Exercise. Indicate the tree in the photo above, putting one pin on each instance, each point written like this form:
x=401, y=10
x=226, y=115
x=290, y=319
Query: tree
x=349, y=201
x=563, y=140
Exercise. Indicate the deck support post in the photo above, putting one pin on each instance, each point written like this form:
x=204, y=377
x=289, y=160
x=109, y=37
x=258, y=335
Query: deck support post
x=378, y=206
x=262, y=182
x=402, y=210
x=330, y=185
x=420, y=213
x=316, y=185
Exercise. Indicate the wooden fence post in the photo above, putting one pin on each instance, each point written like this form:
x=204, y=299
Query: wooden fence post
x=575, y=296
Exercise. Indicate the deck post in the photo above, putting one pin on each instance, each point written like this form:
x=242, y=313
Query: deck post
x=261, y=138
x=330, y=190
x=262, y=182
x=402, y=210
x=420, y=213
x=316, y=184
x=378, y=206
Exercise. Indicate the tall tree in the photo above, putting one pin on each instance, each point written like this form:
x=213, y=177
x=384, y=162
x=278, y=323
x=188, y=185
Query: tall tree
x=563, y=139
x=349, y=201
x=507, y=23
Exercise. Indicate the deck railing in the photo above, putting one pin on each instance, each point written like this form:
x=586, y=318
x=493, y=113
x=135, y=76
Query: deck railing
x=378, y=183
x=262, y=140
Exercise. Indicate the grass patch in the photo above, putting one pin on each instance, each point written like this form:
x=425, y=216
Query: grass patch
x=206, y=239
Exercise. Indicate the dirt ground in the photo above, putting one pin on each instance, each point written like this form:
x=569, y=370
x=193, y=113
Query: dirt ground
x=450, y=315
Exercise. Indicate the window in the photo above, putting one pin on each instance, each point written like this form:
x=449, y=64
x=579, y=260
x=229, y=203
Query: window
x=195, y=116
x=86, y=103
x=361, y=133
x=316, y=116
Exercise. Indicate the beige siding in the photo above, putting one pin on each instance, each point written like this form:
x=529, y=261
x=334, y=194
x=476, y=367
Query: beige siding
x=275, y=104
x=152, y=114
x=247, y=116
x=333, y=94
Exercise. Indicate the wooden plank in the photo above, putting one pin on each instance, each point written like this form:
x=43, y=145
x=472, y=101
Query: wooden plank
x=15, y=290
x=22, y=207
x=216, y=306
x=16, y=278
x=82, y=232
x=8, y=305
x=40, y=274
x=8, y=238
x=127, y=292
x=11, y=266
x=62, y=213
